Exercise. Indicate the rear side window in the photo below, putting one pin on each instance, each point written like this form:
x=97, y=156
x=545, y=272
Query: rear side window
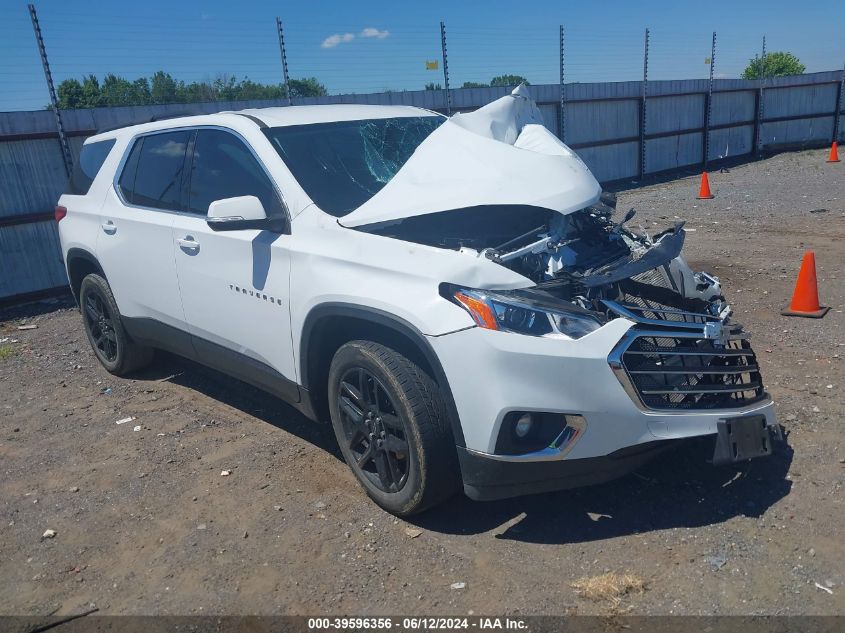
x=224, y=167
x=91, y=159
x=152, y=176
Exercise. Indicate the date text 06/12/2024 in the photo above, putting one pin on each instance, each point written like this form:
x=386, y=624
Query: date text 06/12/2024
x=416, y=623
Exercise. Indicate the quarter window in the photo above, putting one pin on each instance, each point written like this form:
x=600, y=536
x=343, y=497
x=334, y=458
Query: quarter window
x=152, y=176
x=91, y=158
x=223, y=167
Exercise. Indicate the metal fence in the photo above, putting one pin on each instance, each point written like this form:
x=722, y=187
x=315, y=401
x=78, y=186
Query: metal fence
x=624, y=130
x=603, y=122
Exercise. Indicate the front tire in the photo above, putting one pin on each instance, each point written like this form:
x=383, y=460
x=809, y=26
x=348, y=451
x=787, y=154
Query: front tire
x=392, y=425
x=105, y=331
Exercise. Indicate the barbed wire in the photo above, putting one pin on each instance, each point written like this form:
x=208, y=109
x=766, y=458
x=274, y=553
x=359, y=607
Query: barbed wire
x=132, y=46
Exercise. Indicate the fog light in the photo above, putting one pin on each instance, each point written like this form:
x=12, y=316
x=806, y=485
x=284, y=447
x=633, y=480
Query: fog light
x=523, y=425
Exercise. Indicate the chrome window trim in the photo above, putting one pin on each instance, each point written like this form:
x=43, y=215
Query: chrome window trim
x=190, y=128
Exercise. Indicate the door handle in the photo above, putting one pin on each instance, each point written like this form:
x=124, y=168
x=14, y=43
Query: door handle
x=108, y=227
x=188, y=243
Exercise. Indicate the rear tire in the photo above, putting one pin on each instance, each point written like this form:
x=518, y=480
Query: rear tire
x=109, y=340
x=392, y=425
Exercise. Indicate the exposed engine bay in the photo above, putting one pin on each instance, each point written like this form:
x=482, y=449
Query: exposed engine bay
x=685, y=352
x=499, y=187
x=584, y=257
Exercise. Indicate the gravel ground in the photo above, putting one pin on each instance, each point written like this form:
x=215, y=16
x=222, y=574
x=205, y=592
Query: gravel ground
x=146, y=523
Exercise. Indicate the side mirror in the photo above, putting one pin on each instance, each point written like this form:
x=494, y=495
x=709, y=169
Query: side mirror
x=241, y=212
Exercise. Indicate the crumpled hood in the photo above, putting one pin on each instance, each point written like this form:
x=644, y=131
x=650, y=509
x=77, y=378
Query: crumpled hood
x=500, y=154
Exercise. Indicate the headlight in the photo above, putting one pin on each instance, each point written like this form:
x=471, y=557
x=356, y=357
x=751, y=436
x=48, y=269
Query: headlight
x=523, y=311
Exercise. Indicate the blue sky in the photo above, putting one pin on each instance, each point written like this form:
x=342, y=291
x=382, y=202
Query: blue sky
x=370, y=46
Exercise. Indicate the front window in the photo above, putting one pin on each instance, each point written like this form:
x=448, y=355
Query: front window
x=342, y=164
x=223, y=167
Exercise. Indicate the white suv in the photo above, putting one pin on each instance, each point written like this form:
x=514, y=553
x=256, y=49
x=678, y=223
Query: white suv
x=452, y=293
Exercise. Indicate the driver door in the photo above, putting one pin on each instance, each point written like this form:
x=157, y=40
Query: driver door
x=235, y=284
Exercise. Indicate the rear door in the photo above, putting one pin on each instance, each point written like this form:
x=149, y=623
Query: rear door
x=83, y=200
x=234, y=284
x=135, y=241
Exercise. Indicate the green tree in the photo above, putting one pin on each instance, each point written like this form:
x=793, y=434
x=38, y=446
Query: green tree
x=163, y=88
x=249, y=90
x=777, y=64
x=195, y=92
x=474, y=84
x=117, y=91
x=225, y=87
x=307, y=87
x=433, y=86
x=69, y=94
x=90, y=92
x=141, y=90
x=509, y=81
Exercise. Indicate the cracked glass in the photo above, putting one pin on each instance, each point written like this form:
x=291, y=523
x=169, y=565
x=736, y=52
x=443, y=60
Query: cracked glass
x=342, y=164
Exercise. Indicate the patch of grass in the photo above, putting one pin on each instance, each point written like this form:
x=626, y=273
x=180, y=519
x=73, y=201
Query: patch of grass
x=610, y=586
x=7, y=351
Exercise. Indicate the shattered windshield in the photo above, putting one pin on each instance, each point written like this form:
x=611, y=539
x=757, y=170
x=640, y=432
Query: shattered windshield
x=342, y=164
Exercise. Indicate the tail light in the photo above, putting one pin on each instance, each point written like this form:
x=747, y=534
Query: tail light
x=61, y=212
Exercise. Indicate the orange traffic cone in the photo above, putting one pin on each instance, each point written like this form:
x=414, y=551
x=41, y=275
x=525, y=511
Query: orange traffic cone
x=704, y=190
x=805, y=299
x=834, y=153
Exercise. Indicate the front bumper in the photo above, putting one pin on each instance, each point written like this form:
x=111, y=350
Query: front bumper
x=486, y=478
x=492, y=373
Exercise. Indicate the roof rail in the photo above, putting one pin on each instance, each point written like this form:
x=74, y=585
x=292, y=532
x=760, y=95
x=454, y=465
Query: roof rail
x=173, y=115
x=152, y=119
x=251, y=117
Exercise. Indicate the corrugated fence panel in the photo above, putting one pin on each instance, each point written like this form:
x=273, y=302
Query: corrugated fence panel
x=32, y=174
x=41, y=121
x=676, y=86
x=732, y=107
x=30, y=258
x=800, y=132
x=612, y=162
x=780, y=102
x=731, y=142
x=670, y=152
x=667, y=114
x=610, y=90
x=601, y=121
x=551, y=118
x=805, y=79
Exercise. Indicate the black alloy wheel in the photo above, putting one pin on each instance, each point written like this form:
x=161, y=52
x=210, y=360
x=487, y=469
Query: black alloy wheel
x=115, y=350
x=374, y=432
x=99, y=321
x=393, y=428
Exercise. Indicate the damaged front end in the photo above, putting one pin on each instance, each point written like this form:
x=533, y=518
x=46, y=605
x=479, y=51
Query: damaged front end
x=524, y=201
x=684, y=352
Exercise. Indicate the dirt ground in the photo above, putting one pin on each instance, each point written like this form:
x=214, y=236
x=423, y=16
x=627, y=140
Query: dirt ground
x=145, y=522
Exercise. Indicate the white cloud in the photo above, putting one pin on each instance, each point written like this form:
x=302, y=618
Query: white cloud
x=342, y=38
x=338, y=38
x=374, y=32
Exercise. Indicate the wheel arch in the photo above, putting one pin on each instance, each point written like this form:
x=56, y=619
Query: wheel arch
x=80, y=263
x=330, y=325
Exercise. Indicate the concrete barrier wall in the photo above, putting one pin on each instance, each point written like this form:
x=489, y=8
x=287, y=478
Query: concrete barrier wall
x=602, y=122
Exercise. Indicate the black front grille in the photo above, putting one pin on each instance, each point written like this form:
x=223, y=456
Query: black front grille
x=685, y=372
